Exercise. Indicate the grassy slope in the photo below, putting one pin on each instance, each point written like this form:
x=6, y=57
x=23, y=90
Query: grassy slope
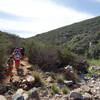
x=78, y=35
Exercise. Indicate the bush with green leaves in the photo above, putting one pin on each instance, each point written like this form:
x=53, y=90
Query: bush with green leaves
x=45, y=57
x=51, y=58
x=65, y=90
x=54, y=89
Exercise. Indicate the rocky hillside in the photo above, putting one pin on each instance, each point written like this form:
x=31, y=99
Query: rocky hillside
x=83, y=37
x=30, y=83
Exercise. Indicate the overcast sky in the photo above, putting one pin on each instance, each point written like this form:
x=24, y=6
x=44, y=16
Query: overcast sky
x=30, y=17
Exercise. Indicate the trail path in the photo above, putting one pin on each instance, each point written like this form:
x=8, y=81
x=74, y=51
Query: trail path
x=22, y=72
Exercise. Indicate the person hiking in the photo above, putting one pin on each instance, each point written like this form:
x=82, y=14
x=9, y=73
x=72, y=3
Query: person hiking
x=17, y=57
x=22, y=51
x=10, y=65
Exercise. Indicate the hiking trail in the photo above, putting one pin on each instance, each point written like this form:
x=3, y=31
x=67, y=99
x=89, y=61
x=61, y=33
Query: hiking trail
x=19, y=73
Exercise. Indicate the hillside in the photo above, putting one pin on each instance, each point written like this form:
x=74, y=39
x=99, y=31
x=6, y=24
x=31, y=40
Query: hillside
x=53, y=72
x=8, y=40
x=7, y=43
x=83, y=37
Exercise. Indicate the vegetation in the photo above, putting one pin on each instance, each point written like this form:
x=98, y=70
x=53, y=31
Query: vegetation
x=51, y=58
x=37, y=75
x=7, y=44
x=65, y=90
x=54, y=89
x=94, y=62
x=56, y=48
x=60, y=78
x=82, y=38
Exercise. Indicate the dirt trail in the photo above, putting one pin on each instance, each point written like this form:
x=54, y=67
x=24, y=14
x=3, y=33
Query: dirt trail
x=21, y=72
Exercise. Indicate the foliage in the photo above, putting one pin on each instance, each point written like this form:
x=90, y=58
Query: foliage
x=54, y=89
x=76, y=37
x=37, y=76
x=65, y=90
x=60, y=78
x=94, y=62
x=7, y=43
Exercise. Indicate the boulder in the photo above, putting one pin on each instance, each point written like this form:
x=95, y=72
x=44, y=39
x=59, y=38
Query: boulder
x=2, y=97
x=33, y=94
x=87, y=96
x=3, y=90
x=75, y=96
x=18, y=95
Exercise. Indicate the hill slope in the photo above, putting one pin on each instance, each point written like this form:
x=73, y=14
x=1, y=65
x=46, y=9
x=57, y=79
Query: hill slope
x=81, y=38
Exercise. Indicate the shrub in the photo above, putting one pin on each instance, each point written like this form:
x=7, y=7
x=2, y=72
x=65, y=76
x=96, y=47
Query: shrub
x=46, y=58
x=60, y=78
x=51, y=58
x=65, y=90
x=37, y=75
x=54, y=89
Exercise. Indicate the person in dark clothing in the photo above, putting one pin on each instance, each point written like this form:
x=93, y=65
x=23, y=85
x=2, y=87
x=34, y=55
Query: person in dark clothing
x=22, y=51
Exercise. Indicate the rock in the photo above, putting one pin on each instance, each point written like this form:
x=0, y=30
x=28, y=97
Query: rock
x=49, y=79
x=2, y=97
x=20, y=91
x=26, y=96
x=68, y=82
x=94, y=68
x=71, y=73
x=85, y=88
x=97, y=96
x=34, y=95
x=30, y=79
x=18, y=95
x=75, y=96
x=87, y=96
x=3, y=90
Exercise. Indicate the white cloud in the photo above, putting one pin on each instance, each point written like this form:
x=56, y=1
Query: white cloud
x=97, y=0
x=45, y=14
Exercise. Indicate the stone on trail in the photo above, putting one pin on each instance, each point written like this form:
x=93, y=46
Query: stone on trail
x=75, y=96
x=30, y=79
x=18, y=95
x=2, y=97
x=68, y=82
x=87, y=96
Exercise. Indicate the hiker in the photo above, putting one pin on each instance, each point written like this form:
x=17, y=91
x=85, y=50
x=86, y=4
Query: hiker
x=17, y=57
x=22, y=51
x=10, y=65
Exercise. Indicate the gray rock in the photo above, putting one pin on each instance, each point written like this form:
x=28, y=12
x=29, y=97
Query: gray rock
x=34, y=94
x=75, y=96
x=87, y=96
x=18, y=95
x=3, y=90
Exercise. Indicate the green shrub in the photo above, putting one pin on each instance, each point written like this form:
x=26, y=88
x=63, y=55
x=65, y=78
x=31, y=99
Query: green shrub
x=37, y=76
x=65, y=90
x=46, y=58
x=54, y=89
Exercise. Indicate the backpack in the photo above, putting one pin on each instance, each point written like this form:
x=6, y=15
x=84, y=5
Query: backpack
x=17, y=56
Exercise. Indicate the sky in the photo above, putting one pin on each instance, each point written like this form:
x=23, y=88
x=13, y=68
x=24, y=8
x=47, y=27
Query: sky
x=27, y=18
